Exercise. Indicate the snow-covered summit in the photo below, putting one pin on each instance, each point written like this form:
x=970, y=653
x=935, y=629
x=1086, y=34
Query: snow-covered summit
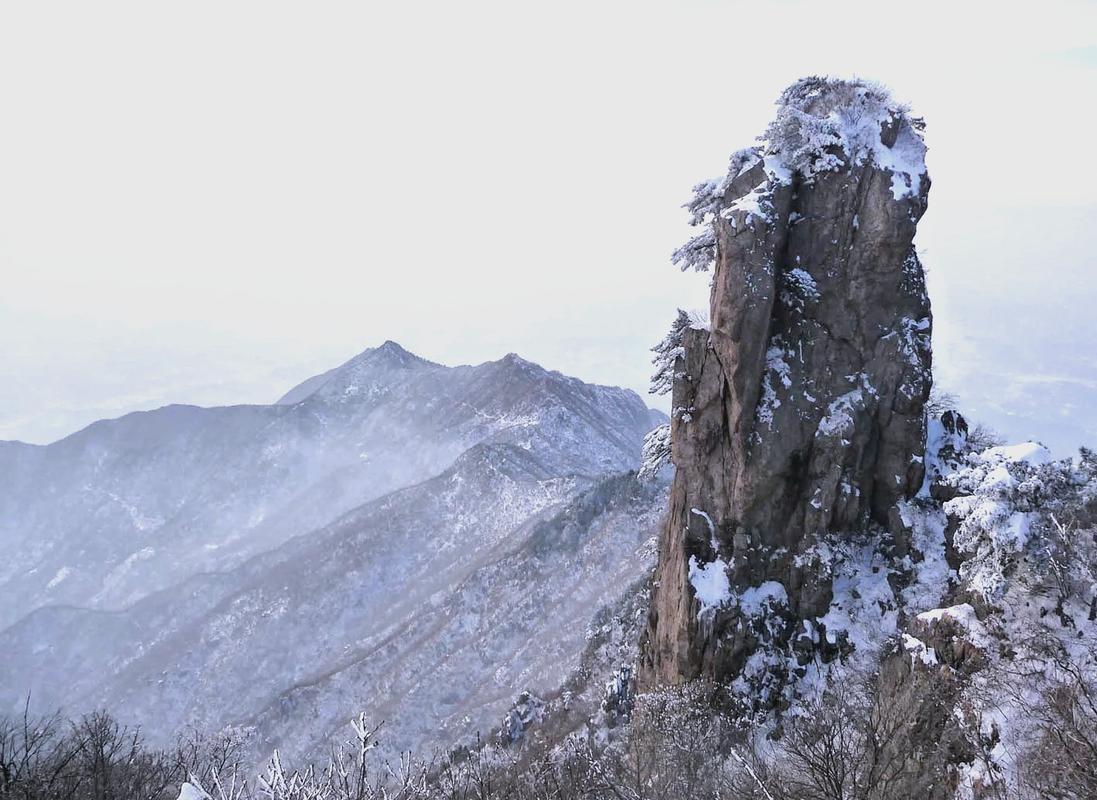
x=823, y=124
x=516, y=361
x=375, y=360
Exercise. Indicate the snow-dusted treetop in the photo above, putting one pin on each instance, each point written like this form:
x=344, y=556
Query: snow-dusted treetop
x=821, y=125
x=817, y=116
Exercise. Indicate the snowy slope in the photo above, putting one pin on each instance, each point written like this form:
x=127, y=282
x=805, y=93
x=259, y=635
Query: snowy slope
x=431, y=608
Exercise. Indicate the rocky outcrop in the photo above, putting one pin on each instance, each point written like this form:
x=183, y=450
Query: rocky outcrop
x=798, y=410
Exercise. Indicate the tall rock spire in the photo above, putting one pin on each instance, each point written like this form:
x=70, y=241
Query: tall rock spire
x=798, y=415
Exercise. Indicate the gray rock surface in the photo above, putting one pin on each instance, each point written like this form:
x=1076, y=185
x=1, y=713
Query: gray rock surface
x=800, y=412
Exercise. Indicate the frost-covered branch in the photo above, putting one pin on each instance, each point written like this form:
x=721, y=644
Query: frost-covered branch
x=656, y=452
x=698, y=254
x=667, y=353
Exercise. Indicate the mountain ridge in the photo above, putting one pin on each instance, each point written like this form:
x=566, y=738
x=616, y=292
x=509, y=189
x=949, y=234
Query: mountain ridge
x=353, y=515
x=245, y=477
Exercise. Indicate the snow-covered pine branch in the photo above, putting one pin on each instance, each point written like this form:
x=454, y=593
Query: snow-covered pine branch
x=656, y=452
x=667, y=353
x=698, y=254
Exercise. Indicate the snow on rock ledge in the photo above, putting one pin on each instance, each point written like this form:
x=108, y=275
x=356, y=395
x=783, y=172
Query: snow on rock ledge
x=710, y=583
x=826, y=124
x=1032, y=453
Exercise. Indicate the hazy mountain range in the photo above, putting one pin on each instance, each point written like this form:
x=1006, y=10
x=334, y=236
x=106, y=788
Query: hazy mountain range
x=418, y=541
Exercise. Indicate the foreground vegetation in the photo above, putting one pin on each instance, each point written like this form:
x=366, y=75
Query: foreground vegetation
x=850, y=745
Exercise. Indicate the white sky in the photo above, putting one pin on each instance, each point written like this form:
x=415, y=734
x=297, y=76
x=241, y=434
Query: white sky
x=208, y=201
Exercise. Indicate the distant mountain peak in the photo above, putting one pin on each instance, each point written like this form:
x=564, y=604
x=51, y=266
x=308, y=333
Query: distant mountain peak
x=515, y=360
x=387, y=356
x=394, y=350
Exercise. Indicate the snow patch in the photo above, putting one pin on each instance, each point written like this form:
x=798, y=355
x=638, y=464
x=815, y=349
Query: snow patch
x=919, y=650
x=1031, y=453
x=839, y=417
x=710, y=582
x=754, y=601
x=775, y=366
x=964, y=616
x=62, y=573
x=864, y=606
x=189, y=791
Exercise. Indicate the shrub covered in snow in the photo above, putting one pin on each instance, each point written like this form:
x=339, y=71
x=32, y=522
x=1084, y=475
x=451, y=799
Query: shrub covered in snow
x=823, y=124
x=1005, y=513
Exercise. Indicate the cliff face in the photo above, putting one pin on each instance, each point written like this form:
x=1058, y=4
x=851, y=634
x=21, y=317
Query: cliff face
x=798, y=413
